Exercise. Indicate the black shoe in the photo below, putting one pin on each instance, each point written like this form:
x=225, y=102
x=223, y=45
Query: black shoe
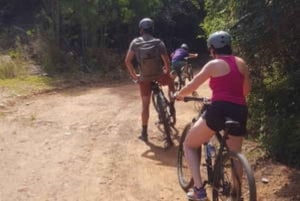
x=144, y=136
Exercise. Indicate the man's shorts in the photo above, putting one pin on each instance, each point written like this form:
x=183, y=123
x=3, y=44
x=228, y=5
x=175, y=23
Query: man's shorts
x=145, y=86
x=217, y=112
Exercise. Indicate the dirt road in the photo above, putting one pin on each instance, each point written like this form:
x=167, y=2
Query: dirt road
x=81, y=144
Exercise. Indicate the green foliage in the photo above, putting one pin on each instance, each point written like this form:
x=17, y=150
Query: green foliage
x=265, y=34
x=13, y=60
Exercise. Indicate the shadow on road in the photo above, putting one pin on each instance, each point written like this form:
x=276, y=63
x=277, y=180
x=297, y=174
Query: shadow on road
x=156, y=152
x=292, y=187
x=160, y=155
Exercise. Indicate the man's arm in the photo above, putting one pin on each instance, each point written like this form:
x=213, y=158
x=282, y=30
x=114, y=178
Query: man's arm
x=193, y=55
x=166, y=62
x=129, y=65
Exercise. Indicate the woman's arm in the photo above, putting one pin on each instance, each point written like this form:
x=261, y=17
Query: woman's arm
x=199, y=79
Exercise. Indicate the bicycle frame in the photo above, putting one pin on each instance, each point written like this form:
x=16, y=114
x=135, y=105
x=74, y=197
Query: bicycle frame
x=184, y=73
x=162, y=106
x=212, y=170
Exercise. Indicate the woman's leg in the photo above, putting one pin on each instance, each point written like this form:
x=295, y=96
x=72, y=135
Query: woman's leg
x=197, y=135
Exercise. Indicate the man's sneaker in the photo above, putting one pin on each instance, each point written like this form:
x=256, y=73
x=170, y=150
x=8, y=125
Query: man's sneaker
x=197, y=194
x=144, y=136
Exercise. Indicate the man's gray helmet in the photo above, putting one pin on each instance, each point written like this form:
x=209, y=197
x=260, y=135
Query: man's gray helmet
x=146, y=23
x=184, y=46
x=219, y=39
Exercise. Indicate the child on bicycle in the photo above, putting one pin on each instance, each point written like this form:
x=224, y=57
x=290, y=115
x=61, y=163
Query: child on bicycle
x=178, y=58
x=230, y=84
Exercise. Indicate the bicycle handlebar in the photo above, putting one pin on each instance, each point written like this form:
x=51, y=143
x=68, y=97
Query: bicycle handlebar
x=199, y=99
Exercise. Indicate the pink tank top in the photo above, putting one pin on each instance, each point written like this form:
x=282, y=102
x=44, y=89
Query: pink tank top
x=228, y=87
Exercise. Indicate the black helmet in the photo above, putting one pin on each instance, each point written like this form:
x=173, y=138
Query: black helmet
x=184, y=46
x=146, y=23
x=219, y=39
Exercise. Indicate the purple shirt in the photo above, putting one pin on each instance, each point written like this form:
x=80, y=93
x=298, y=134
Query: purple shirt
x=179, y=54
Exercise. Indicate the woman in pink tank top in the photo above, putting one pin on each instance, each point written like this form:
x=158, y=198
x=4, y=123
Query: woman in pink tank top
x=229, y=81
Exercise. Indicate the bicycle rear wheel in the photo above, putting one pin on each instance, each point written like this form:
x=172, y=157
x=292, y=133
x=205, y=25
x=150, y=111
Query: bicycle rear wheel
x=228, y=184
x=184, y=175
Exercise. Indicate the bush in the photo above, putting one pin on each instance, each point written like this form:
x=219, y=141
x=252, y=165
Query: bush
x=269, y=44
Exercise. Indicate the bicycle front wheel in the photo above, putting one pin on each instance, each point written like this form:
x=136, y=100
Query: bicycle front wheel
x=165, y=117
x=184, y=175
x=233, y=179
x=154, y=101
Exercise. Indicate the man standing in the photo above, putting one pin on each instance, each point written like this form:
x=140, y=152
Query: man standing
x=153, y=64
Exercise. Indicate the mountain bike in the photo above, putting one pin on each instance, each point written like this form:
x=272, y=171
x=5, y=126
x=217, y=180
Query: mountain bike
x=166, y=117
x=222, y=172
x=185, y=73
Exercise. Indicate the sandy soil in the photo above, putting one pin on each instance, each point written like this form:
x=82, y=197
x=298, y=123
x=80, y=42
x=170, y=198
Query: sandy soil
x=81, y=144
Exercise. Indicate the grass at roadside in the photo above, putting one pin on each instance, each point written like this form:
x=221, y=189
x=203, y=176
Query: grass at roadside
x=23, y=86
x=32, y=84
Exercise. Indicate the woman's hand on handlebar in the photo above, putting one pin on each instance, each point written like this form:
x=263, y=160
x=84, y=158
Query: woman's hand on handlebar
x=177, y=97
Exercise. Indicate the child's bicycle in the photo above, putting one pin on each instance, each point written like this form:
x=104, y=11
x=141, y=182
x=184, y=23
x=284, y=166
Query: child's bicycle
x=166, y=116
x=221, y=165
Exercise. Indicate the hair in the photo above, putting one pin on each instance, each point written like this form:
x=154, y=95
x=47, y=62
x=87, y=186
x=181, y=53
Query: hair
x=224, y=50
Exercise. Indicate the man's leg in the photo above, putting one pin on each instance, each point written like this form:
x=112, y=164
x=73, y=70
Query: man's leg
x=145, y=90
x=145, y=112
